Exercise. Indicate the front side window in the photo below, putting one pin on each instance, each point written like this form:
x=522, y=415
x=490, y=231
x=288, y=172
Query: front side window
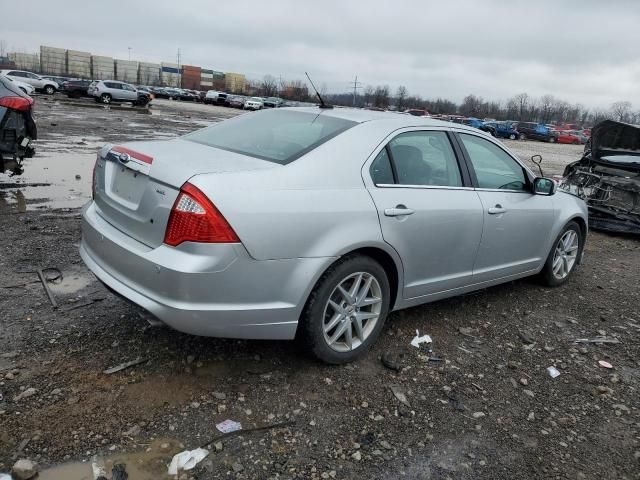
x=425, y=158
x=494, y=168
x=280, y=136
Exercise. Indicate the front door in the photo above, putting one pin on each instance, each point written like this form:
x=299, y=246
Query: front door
x=427, y=213
x=516, y=222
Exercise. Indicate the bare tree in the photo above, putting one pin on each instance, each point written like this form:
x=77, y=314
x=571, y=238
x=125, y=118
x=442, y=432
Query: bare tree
x=621, y=110
x=401, y=97
x=269, y=86
x=472, y=106
x=521, y=102
x=3, y=48
x=368, y=95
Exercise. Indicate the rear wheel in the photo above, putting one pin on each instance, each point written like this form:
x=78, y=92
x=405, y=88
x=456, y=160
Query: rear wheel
x=564, y=256
x=105, y=98
x=49, y=90
x=346, y=310
x=522, y=136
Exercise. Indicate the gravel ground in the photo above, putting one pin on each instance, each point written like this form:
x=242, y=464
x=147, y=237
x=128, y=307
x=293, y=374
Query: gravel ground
x=489, y=409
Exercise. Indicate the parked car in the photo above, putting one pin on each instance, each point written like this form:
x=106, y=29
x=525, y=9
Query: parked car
x=24, y=87
x=479, y=124
x=254, y=235
x=504, y=130
x=235, y=101
x=76, y=88
x=607, y=177
x=536, y=131
x=17, y=127
x=272, y=102
x=253, y=103
x=36, y=81
x=58, y=80
x=211, y=97
x=417, y=112
x=567, y=136
x=108, y=91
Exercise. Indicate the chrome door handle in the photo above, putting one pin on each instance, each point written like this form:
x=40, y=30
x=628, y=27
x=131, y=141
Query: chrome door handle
x=497, y=209
x=399, y=211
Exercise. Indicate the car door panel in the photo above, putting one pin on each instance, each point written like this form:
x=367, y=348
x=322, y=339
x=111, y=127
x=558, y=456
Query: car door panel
x=427, y=212
x=516, y=222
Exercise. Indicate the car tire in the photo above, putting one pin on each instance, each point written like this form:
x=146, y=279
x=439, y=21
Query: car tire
x=576, y=142
x=567, y=250
x=105, y=98
x=49, y=90
x=512, y=136
x=522, y=136
x=315, y=329
x=552, y=139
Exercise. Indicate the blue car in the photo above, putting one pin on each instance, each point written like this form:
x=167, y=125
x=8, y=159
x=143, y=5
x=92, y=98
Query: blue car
x=504, y=130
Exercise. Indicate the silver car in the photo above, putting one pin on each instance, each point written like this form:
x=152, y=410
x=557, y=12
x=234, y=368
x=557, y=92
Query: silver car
x=108, y=91
x=316, y=223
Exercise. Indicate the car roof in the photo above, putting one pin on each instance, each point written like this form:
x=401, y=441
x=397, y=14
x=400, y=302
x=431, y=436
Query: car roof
x=363, y=115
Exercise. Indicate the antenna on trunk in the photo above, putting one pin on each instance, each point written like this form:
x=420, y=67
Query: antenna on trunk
x=322, y=104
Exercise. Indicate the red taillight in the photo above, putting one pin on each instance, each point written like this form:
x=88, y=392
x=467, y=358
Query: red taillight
x=16, y=103
x=194, y=218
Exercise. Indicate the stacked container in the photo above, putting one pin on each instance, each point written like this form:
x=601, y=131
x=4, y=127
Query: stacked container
x=170, y=74
x=127, y=71
x=102, y=68
x=78, y=64
x=149, y=73
x=191, y=77
x=26, y=61
x=234, y=82
x=53, y=61
x=206, y=79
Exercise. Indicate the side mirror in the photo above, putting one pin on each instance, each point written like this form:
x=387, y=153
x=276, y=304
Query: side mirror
x=544, y=186
x=537, y=159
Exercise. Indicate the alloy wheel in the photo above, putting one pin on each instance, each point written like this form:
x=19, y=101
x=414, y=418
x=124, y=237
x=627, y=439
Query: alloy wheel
x=566, y=254
x=352, y=311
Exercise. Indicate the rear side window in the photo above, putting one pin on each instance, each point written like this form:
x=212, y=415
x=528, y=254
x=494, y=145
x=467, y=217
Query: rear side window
x=494, y=168
x=279, y=136
x=381, y=171
x=425, y=158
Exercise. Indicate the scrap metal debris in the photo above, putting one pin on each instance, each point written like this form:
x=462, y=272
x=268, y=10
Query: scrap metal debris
x=398, y=392
x=122, y=366
x=44, y=280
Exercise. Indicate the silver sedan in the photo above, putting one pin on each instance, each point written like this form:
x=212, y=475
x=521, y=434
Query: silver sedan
x=316, y=223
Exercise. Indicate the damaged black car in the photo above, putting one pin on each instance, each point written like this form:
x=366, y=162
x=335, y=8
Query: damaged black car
x=607, y=177
x=17, y=127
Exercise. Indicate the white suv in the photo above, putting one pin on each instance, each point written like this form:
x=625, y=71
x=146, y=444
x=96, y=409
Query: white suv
x=36, y=81
x=253, y=103
x=107, y=91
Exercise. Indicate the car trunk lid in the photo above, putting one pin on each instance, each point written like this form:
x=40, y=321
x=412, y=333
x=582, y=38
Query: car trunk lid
x=136, y=184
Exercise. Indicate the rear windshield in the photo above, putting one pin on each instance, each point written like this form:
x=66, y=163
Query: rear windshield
x=279, y=136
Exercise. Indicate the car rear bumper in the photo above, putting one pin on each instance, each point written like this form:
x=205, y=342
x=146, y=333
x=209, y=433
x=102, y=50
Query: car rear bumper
x=203, y=289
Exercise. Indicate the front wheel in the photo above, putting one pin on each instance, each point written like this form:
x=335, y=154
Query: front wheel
x=564, y=256
x=512, y=136
x=49, y=90
x=346, y=311
x=105, y=98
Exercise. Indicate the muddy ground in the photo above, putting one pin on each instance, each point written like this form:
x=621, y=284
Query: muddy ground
x=489, y=409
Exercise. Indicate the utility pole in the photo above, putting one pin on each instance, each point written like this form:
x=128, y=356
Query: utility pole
x=129, y=48
x=356, y=86
x=178, y=59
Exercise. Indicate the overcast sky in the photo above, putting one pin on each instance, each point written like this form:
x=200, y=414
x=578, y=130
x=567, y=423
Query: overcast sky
x=583, y=51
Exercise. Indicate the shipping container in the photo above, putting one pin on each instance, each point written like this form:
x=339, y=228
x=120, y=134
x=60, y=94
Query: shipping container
x=170, y=74
x=25, y=61
x=78, y=64
x=235, y=82
x=102, y=68
x=149, y=73
x=126, y=71
x=53, y=61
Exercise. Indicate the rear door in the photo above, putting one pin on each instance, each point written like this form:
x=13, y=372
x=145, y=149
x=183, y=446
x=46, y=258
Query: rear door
x=516, y=222
x=427, y=209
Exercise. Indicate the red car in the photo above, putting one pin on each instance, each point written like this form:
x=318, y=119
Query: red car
x=564, y=136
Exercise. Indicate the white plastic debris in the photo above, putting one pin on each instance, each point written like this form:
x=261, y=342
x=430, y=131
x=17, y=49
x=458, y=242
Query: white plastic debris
x=604, y=364
x=186, y=460
x=229, y=426
x=417, y=340
x=553, y=372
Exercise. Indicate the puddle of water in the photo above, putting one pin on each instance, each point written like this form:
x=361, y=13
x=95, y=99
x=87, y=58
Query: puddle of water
x=149, y=465
x=50, y=181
